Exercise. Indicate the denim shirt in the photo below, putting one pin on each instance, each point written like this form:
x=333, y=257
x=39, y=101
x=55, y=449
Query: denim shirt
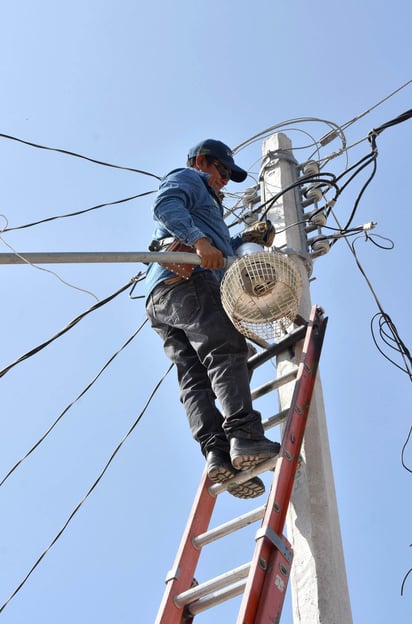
x=187, y=208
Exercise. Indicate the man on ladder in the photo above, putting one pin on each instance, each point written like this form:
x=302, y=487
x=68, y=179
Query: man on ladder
x=184, y=308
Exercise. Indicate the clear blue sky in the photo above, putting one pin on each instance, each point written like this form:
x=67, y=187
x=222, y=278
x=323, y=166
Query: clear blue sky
x=136, y=85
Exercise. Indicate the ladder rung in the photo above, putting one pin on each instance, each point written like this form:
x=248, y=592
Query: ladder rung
x=274, y=421
x=275, y=349
x=228, y=527
x=274, y=385
x=217, y=597
x=224, y=580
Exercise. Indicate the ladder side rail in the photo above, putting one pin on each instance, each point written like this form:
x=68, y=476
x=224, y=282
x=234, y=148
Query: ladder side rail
x=261, y=597
x=181, y=576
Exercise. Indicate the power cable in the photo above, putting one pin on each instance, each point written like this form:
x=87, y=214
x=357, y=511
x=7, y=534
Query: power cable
x=390, y=337
x=89, y=491
x=77, y=213
x=68, y=407
x=405, y=577
x=301, y=181
x=76, y=155
x=72, y=323
x=404, y=449
x=335, y=128
x=39, y=268
x=361, y=192
x=386, y=324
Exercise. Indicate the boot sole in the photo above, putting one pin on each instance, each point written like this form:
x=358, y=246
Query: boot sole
x=247, y=461
x=249, y=489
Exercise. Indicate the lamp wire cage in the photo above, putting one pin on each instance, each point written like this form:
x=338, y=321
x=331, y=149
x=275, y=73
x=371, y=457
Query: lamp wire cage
x=261, y=294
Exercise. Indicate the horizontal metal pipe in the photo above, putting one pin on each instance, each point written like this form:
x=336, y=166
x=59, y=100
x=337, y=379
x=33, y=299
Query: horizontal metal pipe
x=217, y=597
x=274, y=385
x=219, y=582
x=98, y=256
x=228, y=527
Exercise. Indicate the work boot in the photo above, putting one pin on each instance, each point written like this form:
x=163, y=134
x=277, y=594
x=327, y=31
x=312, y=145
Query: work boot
x=246, y=453
x=220, y=469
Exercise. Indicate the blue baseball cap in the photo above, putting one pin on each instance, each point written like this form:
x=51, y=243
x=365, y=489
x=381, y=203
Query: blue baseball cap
x=222, y=153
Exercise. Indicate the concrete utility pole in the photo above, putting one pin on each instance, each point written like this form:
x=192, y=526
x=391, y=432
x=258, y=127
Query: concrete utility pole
x=318, y=579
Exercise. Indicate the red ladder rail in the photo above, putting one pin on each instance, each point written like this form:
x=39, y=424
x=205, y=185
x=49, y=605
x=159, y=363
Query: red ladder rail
x=181, y=575
x=265, y=589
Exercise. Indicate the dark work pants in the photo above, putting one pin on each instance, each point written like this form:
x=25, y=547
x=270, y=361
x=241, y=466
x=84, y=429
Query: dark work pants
x=211, y=360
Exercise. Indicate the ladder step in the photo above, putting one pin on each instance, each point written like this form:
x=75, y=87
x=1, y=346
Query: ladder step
x=275, y=420
x=274, y=385
x=217, y=597
x=225, y=580
x=275, y=349
x=229, y=527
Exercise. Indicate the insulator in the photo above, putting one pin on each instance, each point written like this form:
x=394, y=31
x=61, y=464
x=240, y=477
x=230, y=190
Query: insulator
x=250, y=195
x=311, y=168
x=314, y=193
x=320, y=245
x=318, y=218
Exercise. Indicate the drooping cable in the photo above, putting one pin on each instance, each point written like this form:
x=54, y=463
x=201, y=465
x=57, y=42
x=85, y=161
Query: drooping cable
x=77, y=213
x=76, y=155
x=362, y=191
x=72, y=323
x=68, y=407
x=390, y=337
x=39, y=268
x=405, y=577
x=388, y=331
x=89, y=491
x=404, y=449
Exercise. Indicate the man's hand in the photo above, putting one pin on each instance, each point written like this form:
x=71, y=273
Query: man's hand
x=212, y=258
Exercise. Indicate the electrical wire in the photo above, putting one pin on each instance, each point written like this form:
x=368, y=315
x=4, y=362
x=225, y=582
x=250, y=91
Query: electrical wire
x=301, y=181
x=70, y=325
x=77, y=213
x=39, y=268
x=89, y=491
x=379, y=103
x=404, y=449
x=361, y=164
x=76, y=155
x=70, y=405
x=334, y=127
x=405, y=577
x=387, y=328
x=390, y=337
